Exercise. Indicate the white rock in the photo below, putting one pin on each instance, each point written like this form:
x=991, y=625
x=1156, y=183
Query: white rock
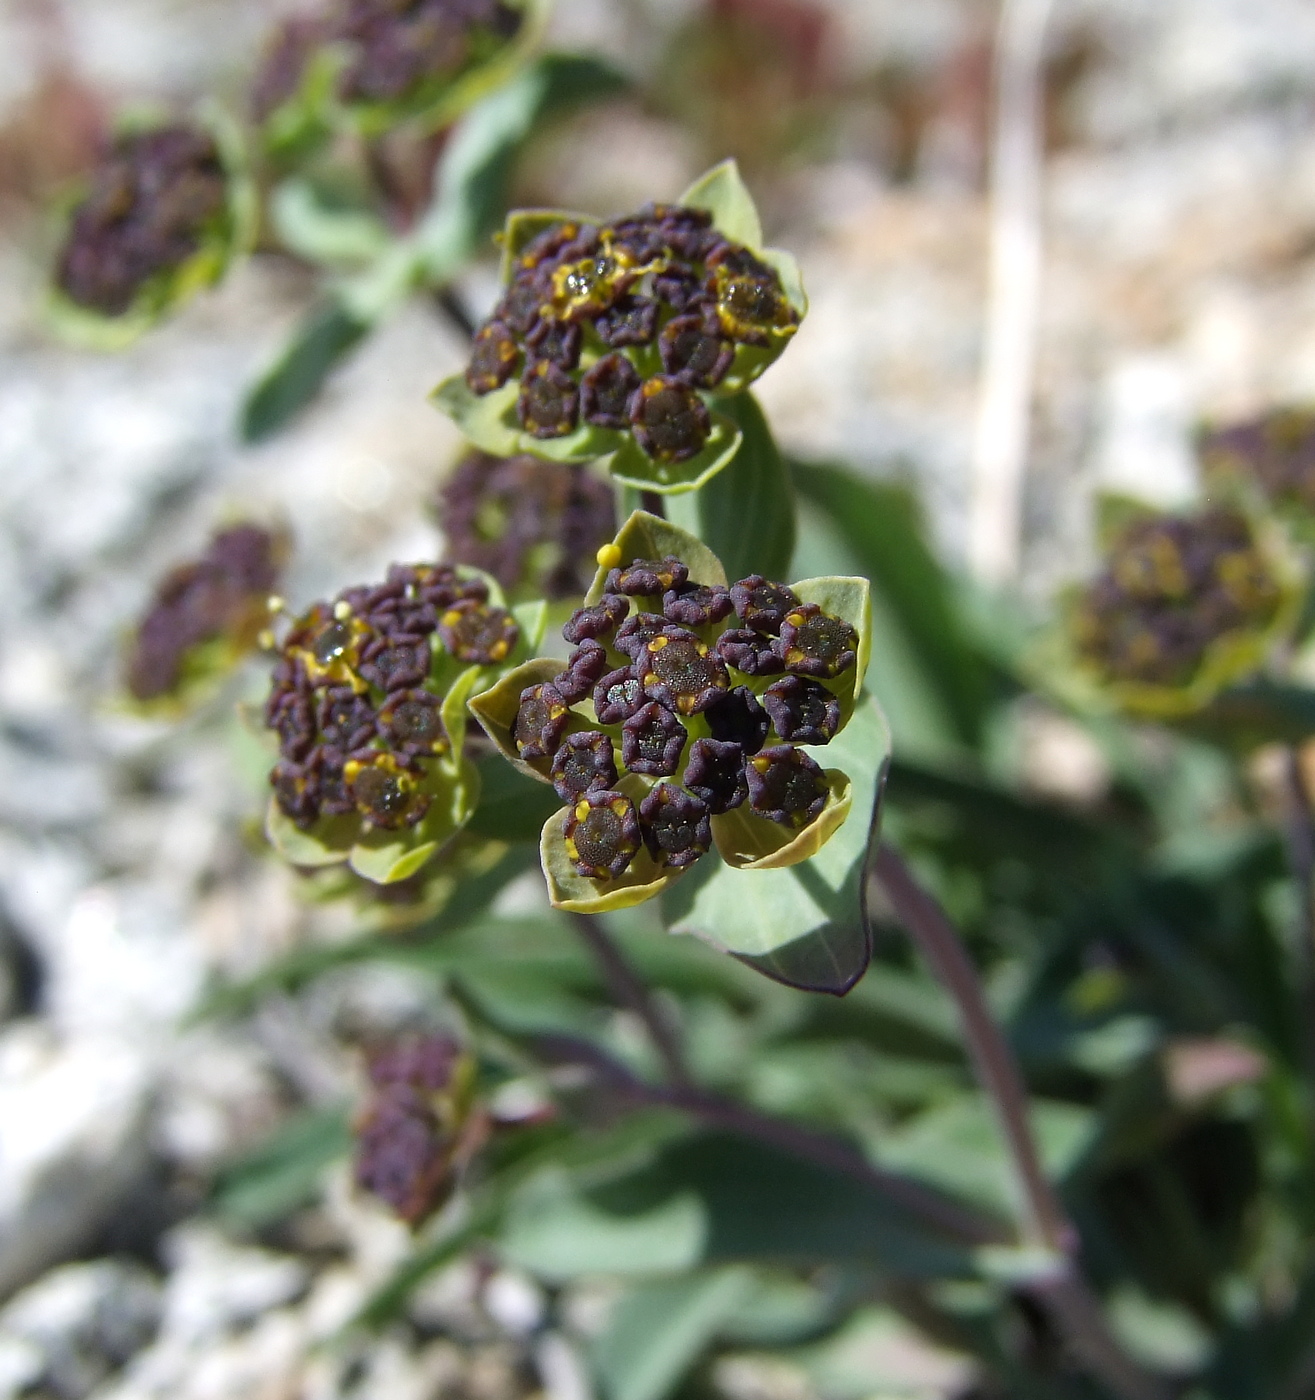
x=83, y=1321
x=72, y=1142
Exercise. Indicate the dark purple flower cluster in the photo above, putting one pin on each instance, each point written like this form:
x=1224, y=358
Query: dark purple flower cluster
x=397, y=50
x=703, y=694
x=627, y=326
x=1275, y=451
x=408, y=1135
x=527, y=522
x=1172, y=587
x=152, y=202
x=354, y=703
x=221, y=594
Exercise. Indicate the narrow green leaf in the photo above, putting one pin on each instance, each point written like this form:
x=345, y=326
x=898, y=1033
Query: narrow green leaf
x=723, y=193
x=658, y=1331
x=746, y=512
x=881, y=523
x=284, y=1172
x=476, y=166
x=311, y=226
x=322, y=340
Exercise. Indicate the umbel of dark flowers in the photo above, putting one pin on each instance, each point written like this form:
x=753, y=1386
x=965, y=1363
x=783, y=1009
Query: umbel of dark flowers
x=164, y=214
x=415, y=1128
x=379, y=62
x=628, y=337
x=1272, y=453
x=205, y=614
x=683, y=718
x=1184, y=605
x=368, y=703
x=528, y=523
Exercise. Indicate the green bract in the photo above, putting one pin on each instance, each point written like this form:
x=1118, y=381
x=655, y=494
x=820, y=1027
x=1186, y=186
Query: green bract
x=691, y=714
x=164, y=216
x=376, y=66
x=629, y=339
x=369, y=703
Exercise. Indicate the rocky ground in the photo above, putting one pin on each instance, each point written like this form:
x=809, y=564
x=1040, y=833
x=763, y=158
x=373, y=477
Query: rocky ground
x=1180, y=283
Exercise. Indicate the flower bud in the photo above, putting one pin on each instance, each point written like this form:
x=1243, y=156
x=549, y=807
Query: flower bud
x=527, y=522
x=160, y=219
x=219, y=598
x=409, y=1133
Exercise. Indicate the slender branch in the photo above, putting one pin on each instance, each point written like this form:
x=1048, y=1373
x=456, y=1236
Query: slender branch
x=1045, y=1223
x=630, y=990
x=455, y=311
x=1062, y=1291
x=654, y=503
x=934, y=1210
x=1299, y=839
x=1009, y=357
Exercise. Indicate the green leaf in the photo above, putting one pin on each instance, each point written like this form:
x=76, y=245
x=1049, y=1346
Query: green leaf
x=725, y=196
x=568, y=889
x=632, y=466
x=762, y=1204
x=320, y=342
x=658, y=1331
x=882, y=525
x=389, y=856
x=645, y=536
x=511, y=806
x=476, y=166
x=555, y=1233
x=958, y=1147
x=284, y=1172
x=311, y=226
x=745, y=513
x=803, y=925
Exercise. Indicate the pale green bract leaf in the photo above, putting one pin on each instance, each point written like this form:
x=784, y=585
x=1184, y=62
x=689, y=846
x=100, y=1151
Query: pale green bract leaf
x=489, y=421
x=747, y=842
x=483, y=418
x=723, y=193
x=645, y=536
x=525, y=225
x=497, y=707
x=634, y=467
x=328, y=842
x=851, y=599
x=389, y=856
x=756, y=913
x=568, y=889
